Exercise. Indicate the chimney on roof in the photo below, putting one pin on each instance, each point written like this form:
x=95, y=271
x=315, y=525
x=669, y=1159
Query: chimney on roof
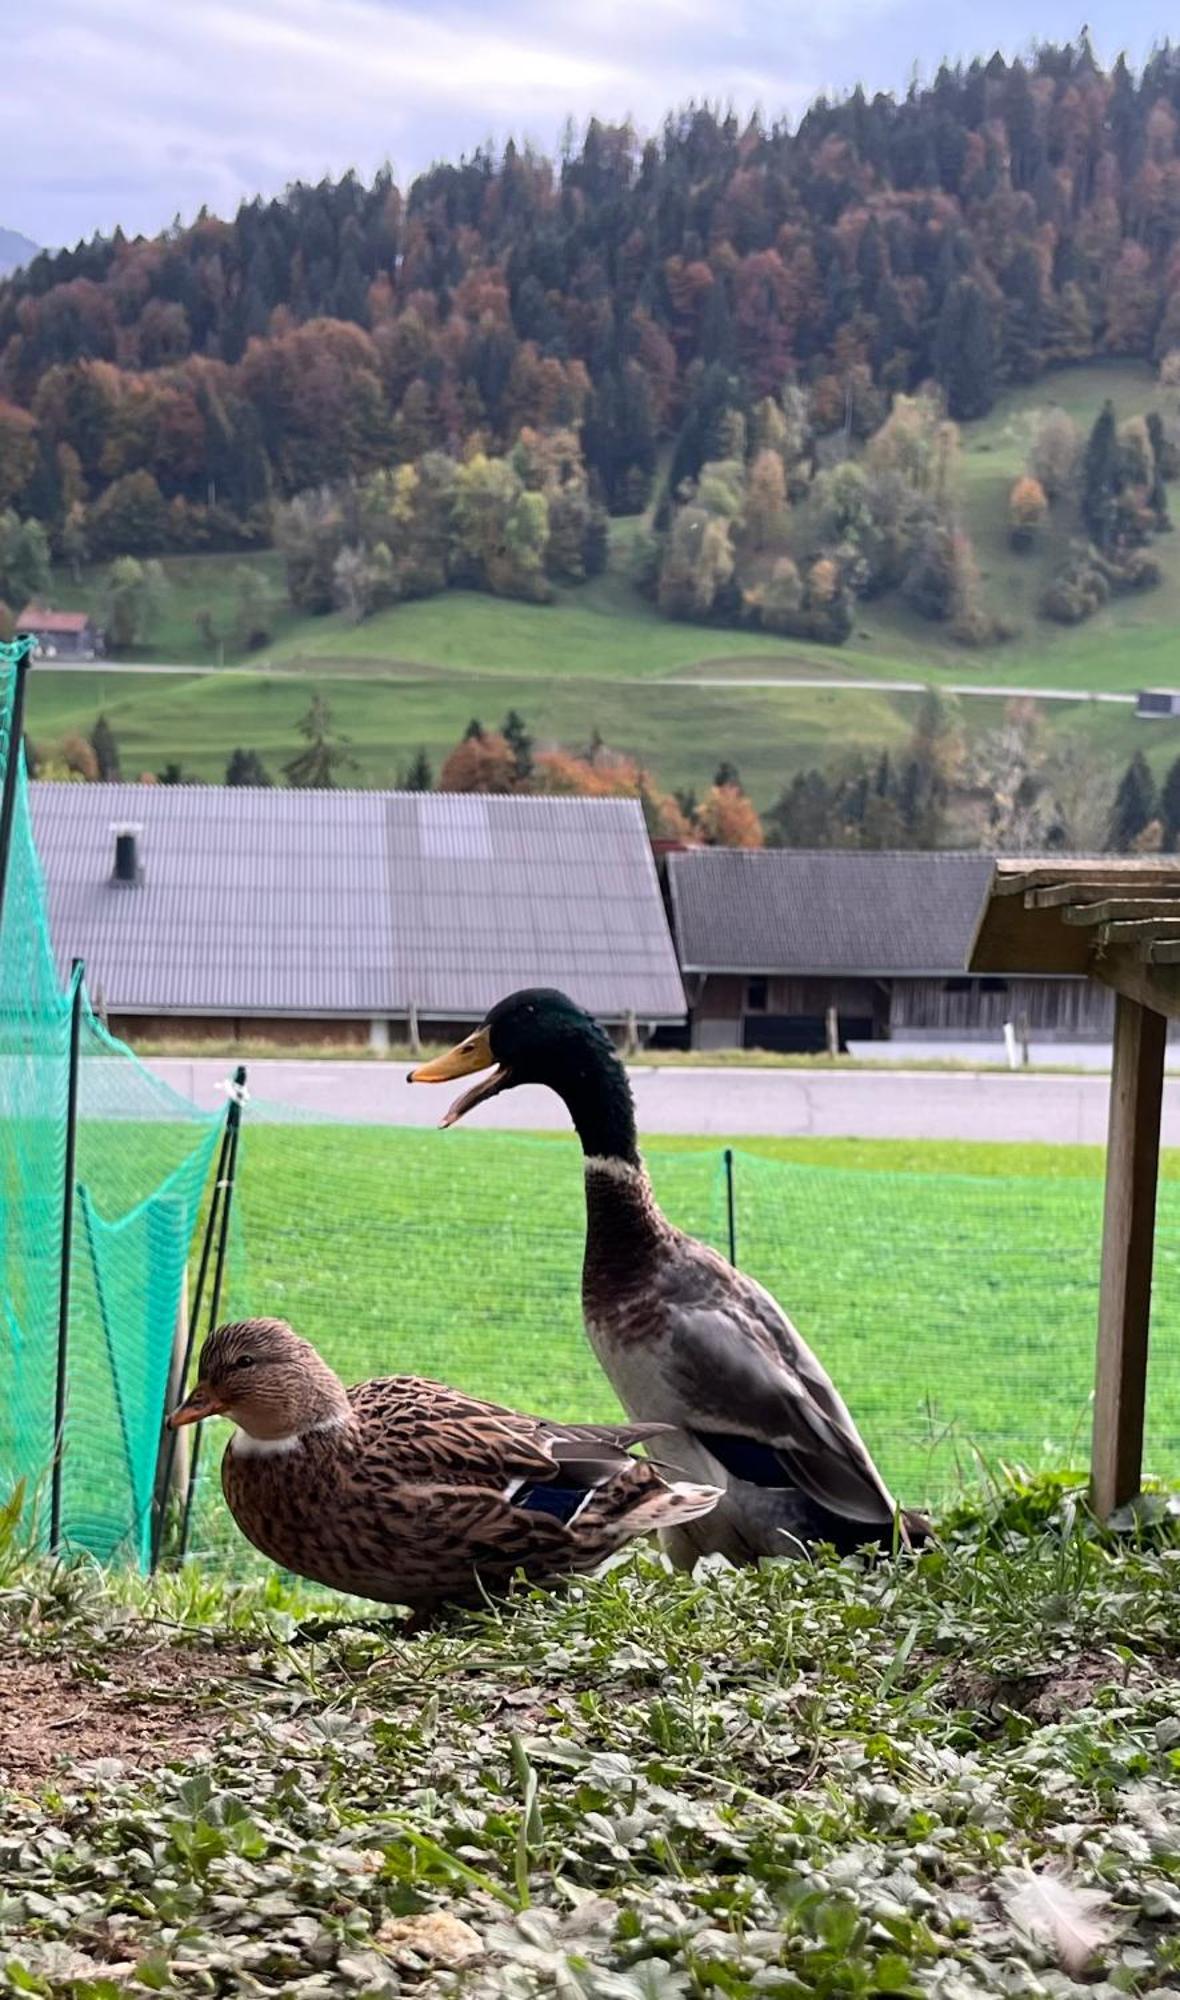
x=128, y=869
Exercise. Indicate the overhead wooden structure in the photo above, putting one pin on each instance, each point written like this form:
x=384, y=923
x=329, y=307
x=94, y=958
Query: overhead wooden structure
x=1118, y=922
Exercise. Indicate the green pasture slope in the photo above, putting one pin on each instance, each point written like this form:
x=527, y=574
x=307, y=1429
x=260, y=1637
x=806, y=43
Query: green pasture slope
x=601, y=658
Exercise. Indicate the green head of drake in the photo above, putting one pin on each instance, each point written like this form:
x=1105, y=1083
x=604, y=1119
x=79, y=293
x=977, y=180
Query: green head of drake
x=541, y=1036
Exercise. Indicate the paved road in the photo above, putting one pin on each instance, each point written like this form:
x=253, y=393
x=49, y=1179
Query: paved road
x=996, y=692
x=896, y=1104
x=371, y=671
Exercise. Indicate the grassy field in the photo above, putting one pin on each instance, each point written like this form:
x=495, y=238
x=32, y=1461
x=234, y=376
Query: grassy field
x=951, y=1290
x=952, y=1777
x=196, y=584
x=601, y=658
x=680, y=732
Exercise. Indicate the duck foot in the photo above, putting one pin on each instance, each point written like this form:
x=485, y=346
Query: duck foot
x=311, y=1631
x=428, y=1618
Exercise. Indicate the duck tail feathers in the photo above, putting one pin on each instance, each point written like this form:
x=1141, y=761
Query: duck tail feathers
x=666, y=1505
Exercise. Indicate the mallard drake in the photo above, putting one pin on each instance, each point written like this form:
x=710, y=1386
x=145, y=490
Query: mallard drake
x=684, y=1338
x=411, y=1493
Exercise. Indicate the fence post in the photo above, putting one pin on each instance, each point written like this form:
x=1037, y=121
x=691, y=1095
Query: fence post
x=166, y=1473
x=16, y=750
x=233, y=1126
x=731, y=1221
x=1128, y=1242
x=172, y=1464
x=67, y=1238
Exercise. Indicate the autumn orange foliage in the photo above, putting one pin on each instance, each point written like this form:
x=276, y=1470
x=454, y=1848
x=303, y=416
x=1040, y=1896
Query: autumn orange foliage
x=726, y=818
x=479, y=764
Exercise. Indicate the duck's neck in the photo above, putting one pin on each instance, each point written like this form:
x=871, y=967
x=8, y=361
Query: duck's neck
x=244, y=1444
x=623, y=1223
x=597, y=1096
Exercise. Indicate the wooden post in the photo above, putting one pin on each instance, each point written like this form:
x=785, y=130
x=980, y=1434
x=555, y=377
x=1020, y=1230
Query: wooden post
x=415, y=1037
x=832, y=1026
x=1023, y=1036
x=1128, y=1232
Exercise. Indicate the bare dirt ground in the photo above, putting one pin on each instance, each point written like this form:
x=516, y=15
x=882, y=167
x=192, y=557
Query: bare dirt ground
x=1057, y=1692
x=141, y=1705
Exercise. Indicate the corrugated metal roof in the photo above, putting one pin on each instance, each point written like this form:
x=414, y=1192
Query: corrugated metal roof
x=336, y=903
x=793, y=910
x=37, y=618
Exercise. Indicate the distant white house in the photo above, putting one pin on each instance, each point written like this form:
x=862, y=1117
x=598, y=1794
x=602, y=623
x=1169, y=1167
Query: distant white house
x=61, y=635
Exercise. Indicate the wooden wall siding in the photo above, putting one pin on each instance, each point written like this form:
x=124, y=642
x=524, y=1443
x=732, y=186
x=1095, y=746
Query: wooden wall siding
x=723, y=996
x=1068, y=1008
x=283, y=1030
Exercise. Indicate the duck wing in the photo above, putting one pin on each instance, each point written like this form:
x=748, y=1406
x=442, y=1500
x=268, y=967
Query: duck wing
x=748, y=1386
x=438, y=1436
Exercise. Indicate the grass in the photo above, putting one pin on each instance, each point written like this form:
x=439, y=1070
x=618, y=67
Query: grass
x=950, y=1290
x=196, y=584
x=601, y=658
x=805, y=1780
x=679, y=732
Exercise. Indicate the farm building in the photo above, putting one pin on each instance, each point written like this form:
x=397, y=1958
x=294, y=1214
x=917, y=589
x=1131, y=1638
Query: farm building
x=789, y=949
x=61, y=635
x=299, y=916
x=1156, y=702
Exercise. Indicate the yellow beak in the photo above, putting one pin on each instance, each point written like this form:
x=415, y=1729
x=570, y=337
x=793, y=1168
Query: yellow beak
x=465, y=1059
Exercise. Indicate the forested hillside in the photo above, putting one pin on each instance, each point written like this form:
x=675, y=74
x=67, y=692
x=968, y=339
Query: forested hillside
x=1008, y=217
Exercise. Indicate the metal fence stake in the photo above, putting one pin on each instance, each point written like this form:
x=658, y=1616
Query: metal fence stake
x=233, y=1126
x=67, y=1242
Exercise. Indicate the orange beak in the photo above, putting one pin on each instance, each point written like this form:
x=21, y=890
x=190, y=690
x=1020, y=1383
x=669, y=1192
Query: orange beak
x=465, y=1059
x=201, y=1402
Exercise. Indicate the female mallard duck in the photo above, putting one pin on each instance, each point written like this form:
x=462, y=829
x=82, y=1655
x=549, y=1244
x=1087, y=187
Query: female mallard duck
x=685, y=1339
x=408, y=1492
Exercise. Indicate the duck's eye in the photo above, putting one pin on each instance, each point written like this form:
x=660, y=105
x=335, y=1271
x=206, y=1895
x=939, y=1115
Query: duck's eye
x=244, y=1361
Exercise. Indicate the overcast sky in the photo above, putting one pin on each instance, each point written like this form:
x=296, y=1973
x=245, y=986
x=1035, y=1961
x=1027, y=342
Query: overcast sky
x=131, y=111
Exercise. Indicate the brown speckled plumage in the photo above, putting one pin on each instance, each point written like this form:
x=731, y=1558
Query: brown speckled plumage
x=410, y=1493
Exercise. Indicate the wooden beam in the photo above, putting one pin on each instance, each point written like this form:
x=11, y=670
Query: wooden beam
x=1128, y=1236
x=1154, y=986
x=1124, y=909
x=1060, y=895
x=1012, y=938
x=1144, y=931
x=1118, y=875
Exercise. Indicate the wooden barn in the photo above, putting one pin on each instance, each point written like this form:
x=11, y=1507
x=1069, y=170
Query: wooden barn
x=794, y=950
x=300, y=917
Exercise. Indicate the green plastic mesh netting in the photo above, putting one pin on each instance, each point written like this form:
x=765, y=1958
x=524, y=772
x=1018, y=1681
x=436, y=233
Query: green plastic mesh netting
x=957, y=1312
x=142, y=1158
